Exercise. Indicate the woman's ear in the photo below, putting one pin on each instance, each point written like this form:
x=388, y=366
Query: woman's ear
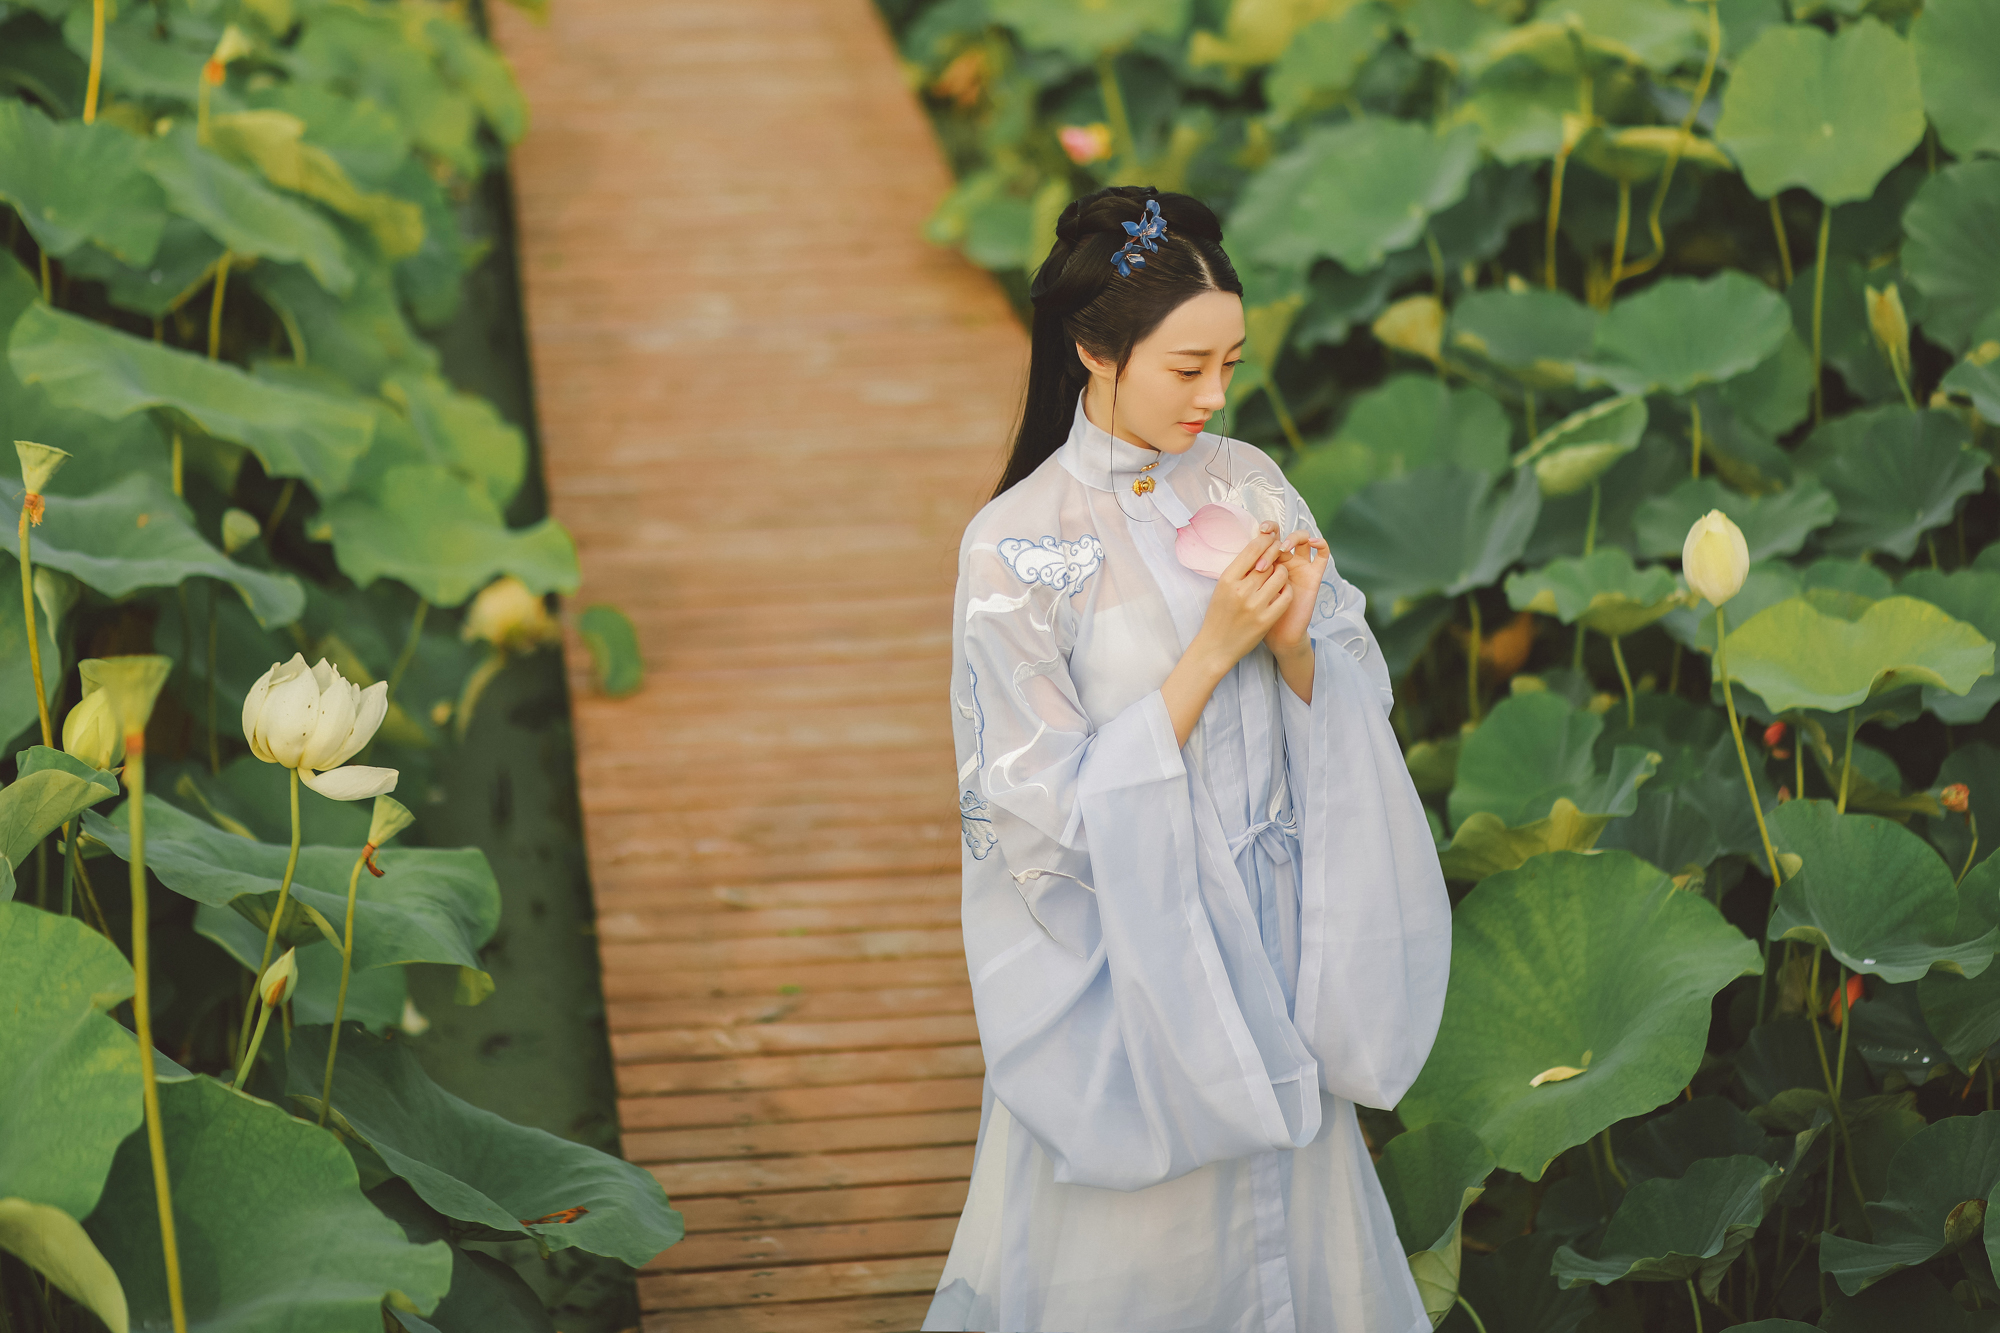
x=1097, y=366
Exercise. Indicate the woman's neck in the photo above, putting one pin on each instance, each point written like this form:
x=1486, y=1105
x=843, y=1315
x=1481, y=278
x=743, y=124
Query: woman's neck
x=1097, y=409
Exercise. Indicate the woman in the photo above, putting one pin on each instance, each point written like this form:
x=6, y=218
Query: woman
x=1203, y=912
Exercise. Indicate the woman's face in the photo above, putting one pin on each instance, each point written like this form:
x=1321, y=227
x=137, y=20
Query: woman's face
x=1176, y=379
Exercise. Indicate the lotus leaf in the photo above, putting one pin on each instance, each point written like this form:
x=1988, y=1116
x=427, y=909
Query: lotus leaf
x=1977, y=378
x=1533, y=747
x=242, y=212
x=1431, y=1176
x=268, y=1213
x=1409, y=421
x=1486, y=845
x=1773, y=525
x=1790, y=115
x=473, y=1165
x=1681, y=332
x=1957, y=44
x=1655, y=33
x=1774, y=396
x=617, y=667
x=1572, y=952
x=185, y=257
x=52, y=789
x=1670, y=1229
x=1689, y=1132
x=1320, y=64
x=1962, y=1013
x=1953, y=253
x=1876, y=896
x=1084, y=32
x=1895, y=474
x=1904, y=1301
x=1937, y=1178
x=1603, y=590
x=93, y=368
x=1890, y=1032
x=1537, y=335
x=72, y=184
x=431, y=906
x=1794, y=655
x=1354, y=192
x=1517, y=106
x=1768, y=583
x=486, y=1295
x=1639, y=153
x=1438, y=529
x=362, y=338
x=1973, y=596
x=375, y=998
x=1582, y=447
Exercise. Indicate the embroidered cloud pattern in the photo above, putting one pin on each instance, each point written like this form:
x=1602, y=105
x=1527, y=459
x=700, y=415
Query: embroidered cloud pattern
x=1051, y=562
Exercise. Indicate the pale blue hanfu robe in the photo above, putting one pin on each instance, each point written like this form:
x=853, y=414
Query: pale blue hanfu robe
x=1188, y=963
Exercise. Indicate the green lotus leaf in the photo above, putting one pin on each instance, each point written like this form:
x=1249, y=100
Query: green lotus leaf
x=185, y=257
x=1957, y=45
x=1576, y=451
x=1604, y=590
x=1912, y=1299
x=1876, y=896
x=1462, y=34
x=1681, y=332
x=268, y=1214
x=1438, y=529
x=486, y=1295
x=431, y=905
x=1939, y=1181
x=1320, y=63
x=1084, y=32
x=1790, y=115
x=1408, y=421
x=1890, y=1032
x=1768, y=583
x=1534, y=747
x=1874, y=783
x=1354, y=192
x=1963, y=1012
x=73, y=184
x=1953, y=228
x=1536, y=335
x=362, y=338
x=1689, y=1132
x=137, y=534
x=1773, y=525
x=1895, y=474
x=1485, y=844
x=93, y=368
x=1795, y=655
x=1771, y=398
x=56, y=1245
x=1573, y=953
x=1635, y=154
x=1973, y=596
x=477, y=1167
x=1671, y=1229
x=1517, y=105
x=52, y=789
x=375, y=998
x=1431, y=1176
x=1977, y=378
x=617, y=667
x=242, y=212
x=1656, y=33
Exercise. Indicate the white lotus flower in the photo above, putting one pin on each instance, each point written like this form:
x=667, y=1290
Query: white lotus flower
x=1715, y=557
x=314, y=720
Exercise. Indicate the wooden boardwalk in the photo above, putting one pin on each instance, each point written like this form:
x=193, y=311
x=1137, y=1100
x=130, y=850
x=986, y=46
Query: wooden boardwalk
x=768, y=409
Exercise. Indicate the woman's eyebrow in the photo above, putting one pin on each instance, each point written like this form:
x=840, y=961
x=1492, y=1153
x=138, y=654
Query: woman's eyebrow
x=1206, y=351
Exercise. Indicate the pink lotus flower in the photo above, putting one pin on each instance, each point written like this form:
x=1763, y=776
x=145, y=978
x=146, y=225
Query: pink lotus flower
x=1212, y=538
x=1086, y=143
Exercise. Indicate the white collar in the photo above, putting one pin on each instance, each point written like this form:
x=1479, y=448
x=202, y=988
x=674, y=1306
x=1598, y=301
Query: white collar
x=1098, y=460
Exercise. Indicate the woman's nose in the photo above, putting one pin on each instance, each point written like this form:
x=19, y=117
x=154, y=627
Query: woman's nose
x=1211, y=398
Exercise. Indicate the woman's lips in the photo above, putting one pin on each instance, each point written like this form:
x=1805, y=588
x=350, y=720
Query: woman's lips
x=1194, y=427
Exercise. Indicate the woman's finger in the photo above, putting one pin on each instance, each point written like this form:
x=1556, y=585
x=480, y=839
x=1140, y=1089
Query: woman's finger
x=1271, y=554
x=1253, y=550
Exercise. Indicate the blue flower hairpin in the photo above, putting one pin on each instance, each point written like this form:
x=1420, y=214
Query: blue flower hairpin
x=1148, y=231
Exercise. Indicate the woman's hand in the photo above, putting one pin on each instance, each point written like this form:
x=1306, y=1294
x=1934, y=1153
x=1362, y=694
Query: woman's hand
x=1250, y=597
x=1305, y=560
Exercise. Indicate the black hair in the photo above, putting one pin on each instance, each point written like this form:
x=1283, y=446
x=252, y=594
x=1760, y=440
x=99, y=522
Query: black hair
x=1080, y=297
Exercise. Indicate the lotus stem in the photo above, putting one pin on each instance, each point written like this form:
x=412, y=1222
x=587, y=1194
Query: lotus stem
x=1472, y=660
x=1972, y=825
x=1784, y=245
x=1618, y=239
x=278, y=509
x=1846, y=763
x=30, y=507
x=1693, y=1300
x=48, y=288
x=1528, y=406
x=1555, y=216
x=1674, y=153
x=1819, y=310
x=1473, y=1315
x=142, y=1019
x=214, y=748
x=1114, y=110
x=1590, y=524
x=96, y=62
x=215, y=304
x=1437, y=272
x=1610, y=1162
x=1284, y=412
x=284, y=893
x=409, y=652
x=1846, y=1015
x=346, y=966
x=1694, y=410
x=70, y=855
x=1631, y=706
x=256, y=1040
x=1832, y=1090
x=178, y=460
x=1756, y=806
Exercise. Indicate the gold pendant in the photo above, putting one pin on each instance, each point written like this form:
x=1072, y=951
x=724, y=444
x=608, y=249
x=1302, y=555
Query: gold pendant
x=1142, y=486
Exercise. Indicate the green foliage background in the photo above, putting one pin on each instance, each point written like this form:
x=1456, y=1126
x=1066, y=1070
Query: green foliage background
x=1531, y=286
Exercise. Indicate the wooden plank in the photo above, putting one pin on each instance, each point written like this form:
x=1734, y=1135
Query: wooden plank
x=877, y=1314
x=815, y=1172
x=679, y=927
x=786, y=1038
x=935, y=1198
x=791, y=894
x=805, y=950
x=800, y=1006
x=785, y=1105
x=799, y=1071
x=757, y=1286
x=822, y=1136
x=809, y=1245
x=808, y=979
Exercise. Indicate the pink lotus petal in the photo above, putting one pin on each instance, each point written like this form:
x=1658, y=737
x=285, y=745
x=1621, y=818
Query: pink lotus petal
x=1198, y=555
x=1212, y=538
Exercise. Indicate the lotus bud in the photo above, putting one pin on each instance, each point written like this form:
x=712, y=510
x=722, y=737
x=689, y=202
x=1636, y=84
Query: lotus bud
x=38, y=463
x=314, y=720
x=390, y=817
x=413, y=1020
x=1415, y=325
x=1086, y=143
x=233, y=46
x=1784, y=794
x=1715, y=558
x=90, y=732
x=239, y=529
x=278, y=979
x=509, y=617
x=1836, y=1010
x=1773, y=734
x=1955, y=798
x=130, y=684
x=1891, y=327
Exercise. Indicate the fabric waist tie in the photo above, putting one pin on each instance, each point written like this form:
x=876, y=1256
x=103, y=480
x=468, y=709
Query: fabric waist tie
x=1276, y=836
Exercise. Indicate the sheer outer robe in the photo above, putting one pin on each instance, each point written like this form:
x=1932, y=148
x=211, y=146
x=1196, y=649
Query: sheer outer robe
x=1187, y=964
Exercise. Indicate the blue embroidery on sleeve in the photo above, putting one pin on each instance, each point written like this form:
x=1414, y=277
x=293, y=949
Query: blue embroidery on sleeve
x=977, y=825
x=1052, y=562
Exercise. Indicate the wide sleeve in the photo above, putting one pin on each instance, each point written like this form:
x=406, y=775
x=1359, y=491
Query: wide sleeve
x=1374, y=917
x=1128, y=1019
